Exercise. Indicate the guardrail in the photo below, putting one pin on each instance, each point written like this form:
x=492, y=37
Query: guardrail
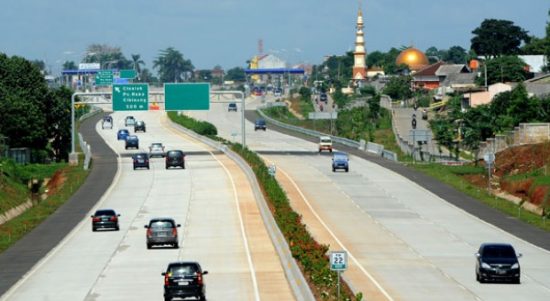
x=296, y=279
x=341, y=140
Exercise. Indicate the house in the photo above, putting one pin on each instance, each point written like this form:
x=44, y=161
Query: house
x=485, y=97
x=426, y=77
x=538, y=86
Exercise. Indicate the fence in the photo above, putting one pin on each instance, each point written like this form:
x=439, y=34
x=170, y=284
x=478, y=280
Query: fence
x=86, y=149
x=525, y=133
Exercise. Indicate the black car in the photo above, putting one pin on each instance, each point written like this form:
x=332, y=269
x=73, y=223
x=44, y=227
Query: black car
x=324, y=97
x=141, y=160
x=162, y=231
x=497, y=261
x=132, y=141
x=105, y=219
x=139, y=126
x=260, y=125
x=184, y=279
x=175, y=158
x=232, y=107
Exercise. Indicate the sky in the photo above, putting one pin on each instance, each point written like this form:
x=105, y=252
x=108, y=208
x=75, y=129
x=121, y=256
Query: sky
x=226, y=32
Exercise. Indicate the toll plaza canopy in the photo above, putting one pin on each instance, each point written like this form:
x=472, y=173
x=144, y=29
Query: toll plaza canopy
x=275, y=71
x=82, y=71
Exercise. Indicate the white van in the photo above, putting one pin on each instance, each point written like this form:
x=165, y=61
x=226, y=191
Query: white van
x=325, y=143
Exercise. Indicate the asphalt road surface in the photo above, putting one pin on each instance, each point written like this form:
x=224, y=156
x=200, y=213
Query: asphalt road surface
x=211, y=199
x=404, y=241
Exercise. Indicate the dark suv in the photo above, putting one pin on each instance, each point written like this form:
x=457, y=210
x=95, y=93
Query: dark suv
x=105, y=219
x=141, y=160
x=260, y=125
x=175, y=158
x=496, y=261
x=184, y=279
x=139, y=126
x=132, y=141
x=232, y=107
x=162, y=231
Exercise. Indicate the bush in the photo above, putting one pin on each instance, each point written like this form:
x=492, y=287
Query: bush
x=200, y=127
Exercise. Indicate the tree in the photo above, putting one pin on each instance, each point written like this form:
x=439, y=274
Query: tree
x=40, y=65
x=494, y=38
x=504, y=69
x=69, y=65
x=236, y=74
x=58, y=121
x=147, y=77
x=398, y=87
x=171, y=65
x=456, y=55
x=107, y=56
x=376, y=58
x=22, y=104
x=137, y=62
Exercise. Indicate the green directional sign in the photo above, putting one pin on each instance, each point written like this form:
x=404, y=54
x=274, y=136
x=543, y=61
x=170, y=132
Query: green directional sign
x=187, y=96
x=104, y=78
x=131, y=97
x=128, y=73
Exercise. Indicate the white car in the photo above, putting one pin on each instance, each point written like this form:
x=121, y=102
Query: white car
x=129, y=121
x=107, y=122
x=325, y=143
x=156, y=149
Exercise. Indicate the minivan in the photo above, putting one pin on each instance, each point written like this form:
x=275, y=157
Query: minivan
x=497, y=261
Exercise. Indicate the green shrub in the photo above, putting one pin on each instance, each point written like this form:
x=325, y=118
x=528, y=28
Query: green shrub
x=199, y=127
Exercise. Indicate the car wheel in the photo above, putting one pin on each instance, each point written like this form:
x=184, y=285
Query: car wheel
x=347, y=169
x=149, y=246
x=167, y=166
x=481, y=279
x=517, y=281
x=94, y=229
x=477, y=277
x=333, y=169
x=183, y=166
x=167, y=298
x=202, y=297
x=117, y=228
x=176, y=246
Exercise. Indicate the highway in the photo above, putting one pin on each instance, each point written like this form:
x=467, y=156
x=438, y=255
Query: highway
x=211, y=199
x=405, y=242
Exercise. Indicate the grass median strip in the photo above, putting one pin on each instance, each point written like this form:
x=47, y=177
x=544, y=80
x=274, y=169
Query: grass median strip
x=310, y=255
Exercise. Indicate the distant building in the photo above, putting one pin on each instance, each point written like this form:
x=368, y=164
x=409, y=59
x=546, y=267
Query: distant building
x=535, y=62
x=270, y=61
x=485, y=97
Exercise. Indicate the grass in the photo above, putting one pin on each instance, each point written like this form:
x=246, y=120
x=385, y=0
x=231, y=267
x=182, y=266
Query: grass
x=15, y=229
x=451, y=175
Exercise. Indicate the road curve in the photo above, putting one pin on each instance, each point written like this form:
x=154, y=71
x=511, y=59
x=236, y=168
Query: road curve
x=211, y=199
x=405, y=242
x=22, y=256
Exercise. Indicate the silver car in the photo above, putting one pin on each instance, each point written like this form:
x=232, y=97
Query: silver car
x=156, y=149
x=162, y=231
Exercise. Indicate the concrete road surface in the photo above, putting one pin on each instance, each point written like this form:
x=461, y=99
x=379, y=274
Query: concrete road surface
x=211, y=199
x=405, y=243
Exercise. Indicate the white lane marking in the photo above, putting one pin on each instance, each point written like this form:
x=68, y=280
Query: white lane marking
x=335, y=238
x=241, y=222
x=71, y=234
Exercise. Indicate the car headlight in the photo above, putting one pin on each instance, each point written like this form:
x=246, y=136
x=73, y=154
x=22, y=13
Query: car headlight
x=515, y=266
x=485, y=266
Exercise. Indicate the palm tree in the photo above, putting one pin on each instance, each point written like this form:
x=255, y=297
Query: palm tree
x=172, y=66
x=137, y=62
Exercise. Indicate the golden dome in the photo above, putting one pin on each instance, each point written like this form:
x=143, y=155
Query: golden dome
x=413, y=58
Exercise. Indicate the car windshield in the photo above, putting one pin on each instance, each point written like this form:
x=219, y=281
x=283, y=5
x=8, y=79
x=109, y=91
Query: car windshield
x=123, y=131
x=499, y=252
x=174, y=154
x=162, y=225
x=232, y=105
x=156, y=146
x=132, y=138
x=140, y=156
x=260, y=121
x=183, y=270
x=340, y=157
x=104, y=212
x=325, y=140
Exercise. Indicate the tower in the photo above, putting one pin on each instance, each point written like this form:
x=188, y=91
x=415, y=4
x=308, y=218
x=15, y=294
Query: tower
x=359, y=65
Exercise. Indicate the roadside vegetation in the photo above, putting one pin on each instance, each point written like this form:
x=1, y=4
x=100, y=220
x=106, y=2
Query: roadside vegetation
x=311, y=256
x=17, y=187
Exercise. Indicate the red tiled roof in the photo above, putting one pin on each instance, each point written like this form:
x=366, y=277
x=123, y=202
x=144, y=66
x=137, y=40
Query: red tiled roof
x=429, y=70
